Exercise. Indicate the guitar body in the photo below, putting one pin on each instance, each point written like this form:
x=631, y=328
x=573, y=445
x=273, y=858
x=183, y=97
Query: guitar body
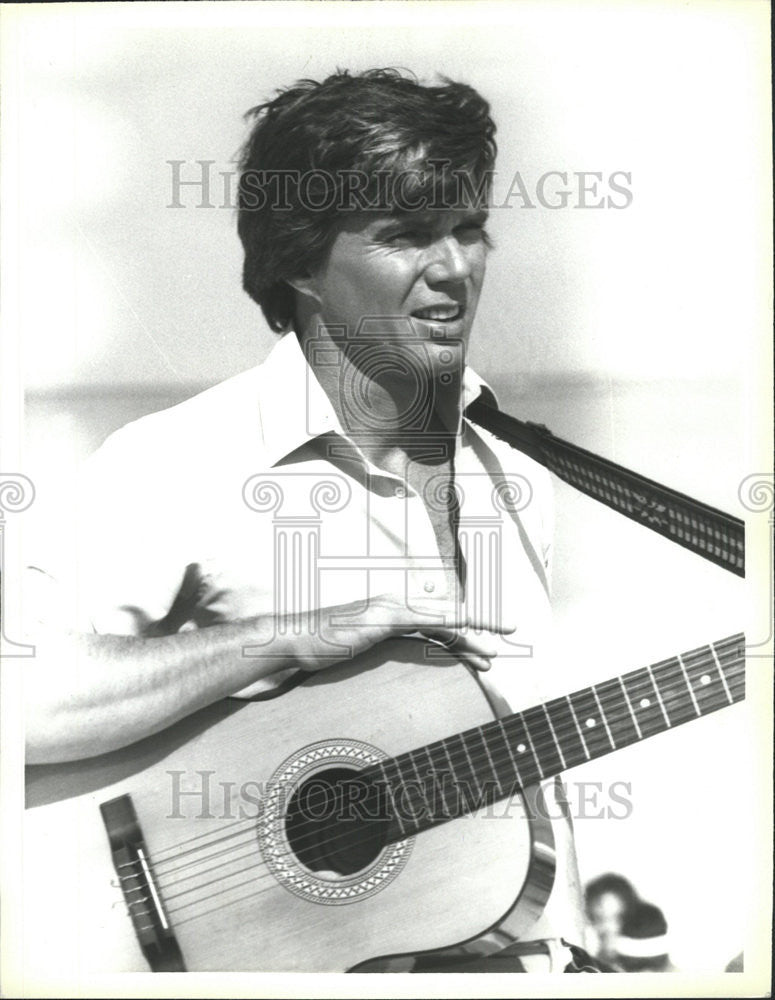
x=210, y=795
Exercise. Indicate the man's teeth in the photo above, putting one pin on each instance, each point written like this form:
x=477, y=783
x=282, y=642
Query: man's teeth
x=438, y=313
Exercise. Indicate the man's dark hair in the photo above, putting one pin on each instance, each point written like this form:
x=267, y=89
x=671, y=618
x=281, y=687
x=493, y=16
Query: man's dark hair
x=376, y=141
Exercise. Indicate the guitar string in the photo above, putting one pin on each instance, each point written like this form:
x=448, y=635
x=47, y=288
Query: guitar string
x=222, y=892
x=429, y=775
x=458, y=757
x=540, y=749
x=188, y=840
x=549, y=742
x=323, y=842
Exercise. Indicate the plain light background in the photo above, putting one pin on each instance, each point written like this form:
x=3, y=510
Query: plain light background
x=634, y=332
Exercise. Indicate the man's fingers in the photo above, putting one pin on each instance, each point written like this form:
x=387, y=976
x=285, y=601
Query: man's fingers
x=450, y=615
x=480, y=663
x=502, y=626
x=476, y=650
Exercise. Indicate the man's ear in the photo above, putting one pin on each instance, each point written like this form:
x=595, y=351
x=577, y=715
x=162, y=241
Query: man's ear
x=304, y=284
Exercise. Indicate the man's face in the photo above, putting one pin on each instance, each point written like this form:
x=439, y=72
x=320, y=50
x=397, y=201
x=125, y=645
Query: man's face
x=426, y=268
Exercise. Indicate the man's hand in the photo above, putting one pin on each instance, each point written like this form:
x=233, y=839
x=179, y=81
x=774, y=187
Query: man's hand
x=357, y=627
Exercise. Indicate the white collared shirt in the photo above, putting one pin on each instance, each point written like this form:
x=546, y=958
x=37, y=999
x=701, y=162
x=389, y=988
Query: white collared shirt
x=255, y=486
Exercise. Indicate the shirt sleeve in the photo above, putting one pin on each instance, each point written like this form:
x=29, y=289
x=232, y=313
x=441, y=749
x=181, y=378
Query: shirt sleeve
x=102, y=556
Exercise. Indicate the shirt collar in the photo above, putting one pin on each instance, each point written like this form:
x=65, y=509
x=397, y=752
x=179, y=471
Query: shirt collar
x=294, y=408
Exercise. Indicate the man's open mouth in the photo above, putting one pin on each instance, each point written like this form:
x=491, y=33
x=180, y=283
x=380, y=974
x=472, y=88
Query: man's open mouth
x=440, y=314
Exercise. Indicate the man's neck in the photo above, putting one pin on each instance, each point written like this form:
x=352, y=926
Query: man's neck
x=392, y=416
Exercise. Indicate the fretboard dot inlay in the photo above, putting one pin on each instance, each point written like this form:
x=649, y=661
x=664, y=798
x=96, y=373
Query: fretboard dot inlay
x=491, y=761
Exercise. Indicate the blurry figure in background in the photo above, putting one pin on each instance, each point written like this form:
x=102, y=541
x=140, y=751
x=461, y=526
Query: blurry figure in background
x=643, y=945
x=608, y=900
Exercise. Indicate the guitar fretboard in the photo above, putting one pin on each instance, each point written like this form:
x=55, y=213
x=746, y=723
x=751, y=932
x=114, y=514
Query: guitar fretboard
x=454, y=776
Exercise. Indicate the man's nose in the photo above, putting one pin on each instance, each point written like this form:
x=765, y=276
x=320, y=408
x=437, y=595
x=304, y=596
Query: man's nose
x=448, y=261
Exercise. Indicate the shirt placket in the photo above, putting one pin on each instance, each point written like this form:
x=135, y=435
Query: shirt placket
x=403, y=554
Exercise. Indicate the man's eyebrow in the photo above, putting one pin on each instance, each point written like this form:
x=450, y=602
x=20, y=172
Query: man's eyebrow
x=403, y=216
x=428, y=216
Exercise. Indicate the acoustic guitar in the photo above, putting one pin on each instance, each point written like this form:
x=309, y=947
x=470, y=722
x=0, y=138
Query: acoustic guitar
x=382, y=813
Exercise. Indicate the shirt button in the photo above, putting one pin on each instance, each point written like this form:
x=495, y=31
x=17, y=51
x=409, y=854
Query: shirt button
x=429, y=587
x=400, y=492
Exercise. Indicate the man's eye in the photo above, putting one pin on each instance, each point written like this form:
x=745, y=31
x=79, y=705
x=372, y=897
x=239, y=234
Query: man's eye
x=408, y=236
x=475, y=228
x=470, y=231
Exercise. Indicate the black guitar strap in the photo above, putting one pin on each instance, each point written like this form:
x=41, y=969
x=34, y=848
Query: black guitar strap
x=711, y=533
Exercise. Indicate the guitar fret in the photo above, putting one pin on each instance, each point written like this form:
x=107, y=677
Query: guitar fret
x=586, y=709
x=673, y=689
x=382, y=765
x=554, y=737
x=659, y=696
x=704, y=679
x=520, y=742
x=507, y=744
x=689, y=686
x=532, y=748
x=489, y=758
x=437, y=776
x=640, y=688
x=453, y=774
x=629, y=706
x=466, y=790
x=721, y=672
x=731, y=655
x=416, y=808
x=468, y=758
x=602, y=716
x=416, y=770
x=544, y=745
x=406, y=797
x=618, y=713
x=449, y=758
x=578, y=727
x=566, y=732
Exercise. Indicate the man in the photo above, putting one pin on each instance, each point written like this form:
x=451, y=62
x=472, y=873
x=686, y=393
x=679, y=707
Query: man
x=302, y=512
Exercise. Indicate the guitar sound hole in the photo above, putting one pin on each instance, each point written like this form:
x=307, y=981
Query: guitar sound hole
x=337, y=822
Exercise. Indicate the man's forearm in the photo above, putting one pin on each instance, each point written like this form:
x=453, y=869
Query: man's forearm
x=88, y=694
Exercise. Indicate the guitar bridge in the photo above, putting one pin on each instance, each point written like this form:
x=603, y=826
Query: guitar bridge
x=138, y=884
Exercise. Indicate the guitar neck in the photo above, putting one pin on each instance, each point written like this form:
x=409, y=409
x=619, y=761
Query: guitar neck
x=454, y=776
